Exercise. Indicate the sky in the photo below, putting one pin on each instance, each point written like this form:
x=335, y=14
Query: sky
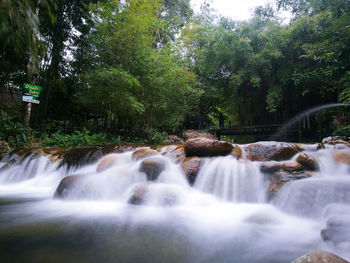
x=235, y=9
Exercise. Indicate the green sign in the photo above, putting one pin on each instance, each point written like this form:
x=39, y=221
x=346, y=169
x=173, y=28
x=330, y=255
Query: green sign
x=31, y=93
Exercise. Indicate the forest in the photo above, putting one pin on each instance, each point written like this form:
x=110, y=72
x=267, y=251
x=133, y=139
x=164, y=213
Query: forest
x=135, y=71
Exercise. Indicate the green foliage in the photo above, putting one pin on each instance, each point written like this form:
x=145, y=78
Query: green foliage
x=12, y=131
x=79, y=138
x=342, y=131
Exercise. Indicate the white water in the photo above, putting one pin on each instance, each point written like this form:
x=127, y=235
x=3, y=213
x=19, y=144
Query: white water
x=224, y=217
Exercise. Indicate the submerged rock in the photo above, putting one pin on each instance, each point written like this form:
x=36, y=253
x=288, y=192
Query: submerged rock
x=309, y=162
x=143, y=153
x=106, y=162
x=203, y=147
x=152, y=168
x=156, y=194
x=177, y=153
x=277, y=180
x=342, y=157
x=270, y=151
x=66, y=185
x=191, y=168
x=192, y=134
x=320, y=257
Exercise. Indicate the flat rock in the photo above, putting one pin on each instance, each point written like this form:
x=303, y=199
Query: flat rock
x=292, y=166
x=270, y=151
x=342, y=157
x=203, y=147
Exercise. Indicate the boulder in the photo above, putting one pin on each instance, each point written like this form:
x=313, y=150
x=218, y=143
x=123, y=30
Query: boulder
x=67, y=185
x=191, y=134
x=177, y=153
x=342, y=157
x=203, y=147
x=106, y=162
x=143, y=153
x=309, y=162
x=270, y=167
x=191, y=168
x=310, y=147
x=173, y=140
x=270, y=151
x=320, y=256
x=155, y=194
x=152, y=168
x=292, y=166
x=277, y=180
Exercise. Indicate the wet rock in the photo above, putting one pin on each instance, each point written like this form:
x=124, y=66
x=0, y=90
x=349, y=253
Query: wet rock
x=292, y=166
x=270, y=151
x=66, y=185
x=173, y=140
x=310, y=147
x=205, y=147
x=335, y=140
x=152, y=168
x=177, y=153
x=309, y=162
x=106, y=162
x=80, y=156
x=279, y=179
x=191, y=134
x=270, y=167
x=320, y=256
x=237, y=151
x=156, y=194
x=191, y=168
x=338, y=229
x=143, y=153
x=342, y=157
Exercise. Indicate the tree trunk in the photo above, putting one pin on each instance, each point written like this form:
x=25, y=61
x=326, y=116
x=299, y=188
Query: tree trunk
x=31, y=70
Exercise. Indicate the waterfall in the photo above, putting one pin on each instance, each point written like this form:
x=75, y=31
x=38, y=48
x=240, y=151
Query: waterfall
x=231, y=180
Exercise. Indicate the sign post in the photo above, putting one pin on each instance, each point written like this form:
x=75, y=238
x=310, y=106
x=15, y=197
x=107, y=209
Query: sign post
x=30, y=94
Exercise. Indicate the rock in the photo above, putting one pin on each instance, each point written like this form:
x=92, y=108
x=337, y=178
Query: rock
x=309, y=162
x=191, y=167
x=143, y=153
x=320, y=256
x=66, y=186
x=292, y=166
x=342, y=157
x=156, y=194
x=278, y=180
x=270, y=151
x=152, y=168
x=237, y=151
x=177, y=153
x=338, y=229
x=270, y=167
x=106, y=162
x=191, y=134
x=173, y=139
x=205, y=147
x=310, y=147
x=335, y=140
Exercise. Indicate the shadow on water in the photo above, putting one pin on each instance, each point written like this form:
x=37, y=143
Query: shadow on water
x=300, y=116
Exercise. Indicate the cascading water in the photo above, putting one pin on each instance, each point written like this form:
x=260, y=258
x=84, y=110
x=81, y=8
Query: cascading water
x=224, y=217
x=231, y=180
